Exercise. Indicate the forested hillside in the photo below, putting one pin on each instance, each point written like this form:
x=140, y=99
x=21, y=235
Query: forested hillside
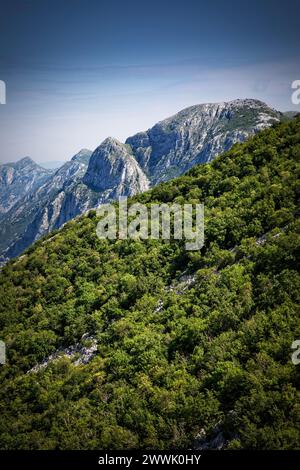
x=190, y=345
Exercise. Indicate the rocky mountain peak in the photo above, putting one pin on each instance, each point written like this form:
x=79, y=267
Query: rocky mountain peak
x=113, y=167
x=197, y=134
x=17, y=179
x=25, y=161
x=83, y=156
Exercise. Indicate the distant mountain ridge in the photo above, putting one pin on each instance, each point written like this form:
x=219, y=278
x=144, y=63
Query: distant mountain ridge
x=44, y=209
x=196, y=134
x=17, y=179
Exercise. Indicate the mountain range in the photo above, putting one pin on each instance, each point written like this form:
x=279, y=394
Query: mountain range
x=35, y=201
x=142, y=344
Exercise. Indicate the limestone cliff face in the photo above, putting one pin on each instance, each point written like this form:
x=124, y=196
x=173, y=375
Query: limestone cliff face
x=114, y=170
x=197, y=135
x=80, y=184
x=45, y=208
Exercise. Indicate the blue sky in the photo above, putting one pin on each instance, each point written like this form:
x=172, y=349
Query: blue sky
x=77, y=71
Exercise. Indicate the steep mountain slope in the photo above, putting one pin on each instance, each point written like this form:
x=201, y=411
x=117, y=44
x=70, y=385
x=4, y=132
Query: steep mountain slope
x=197, y=134
x=76, y=187
x=194, y=348
x=194, y=135
x=18, y=179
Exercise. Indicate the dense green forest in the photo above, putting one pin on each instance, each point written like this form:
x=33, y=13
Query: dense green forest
x=175, y=360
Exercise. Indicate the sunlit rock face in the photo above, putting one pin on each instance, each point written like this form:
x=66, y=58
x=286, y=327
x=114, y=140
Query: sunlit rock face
x=35, y=201
x=197, y=135
x=113, y=168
